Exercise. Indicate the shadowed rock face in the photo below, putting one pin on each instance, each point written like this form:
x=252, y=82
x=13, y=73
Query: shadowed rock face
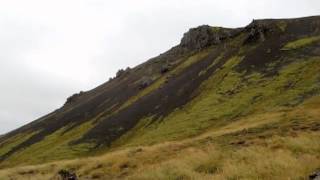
x=199, y=38
x=72, y=99
x=204, y=36
x=257, y=31
x=166, y=83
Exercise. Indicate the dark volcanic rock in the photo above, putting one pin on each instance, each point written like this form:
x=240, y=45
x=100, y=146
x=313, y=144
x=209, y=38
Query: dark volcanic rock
x=315, y=176
x=67, y=175
x=199, y=38
x=122, y=72
x=165, y=68
x=204, y=36
x=74, y=98
x=145, y=82
x=257, y=31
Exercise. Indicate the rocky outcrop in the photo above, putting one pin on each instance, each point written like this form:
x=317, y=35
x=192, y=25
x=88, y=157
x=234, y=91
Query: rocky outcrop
x=200, y=37
x=204, y=36
x=74, y=98
x=144, y=82
x=257, y=31
x=121, y=72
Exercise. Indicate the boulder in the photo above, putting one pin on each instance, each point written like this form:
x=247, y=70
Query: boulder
x=315, y=175
x=165, y=68
x=67, y=175
x=144, y=82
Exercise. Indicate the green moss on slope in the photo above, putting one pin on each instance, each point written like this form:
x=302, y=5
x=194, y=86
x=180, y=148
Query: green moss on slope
x=7, y=145
x=53, y=147
x=282, y=25
x=228, y=95
x=300, y=43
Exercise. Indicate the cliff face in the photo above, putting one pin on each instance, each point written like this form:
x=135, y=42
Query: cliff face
x=214, y=76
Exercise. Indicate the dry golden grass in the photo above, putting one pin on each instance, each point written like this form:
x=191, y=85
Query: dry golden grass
x=252, y=162
x=278, y=158
x=278, y=145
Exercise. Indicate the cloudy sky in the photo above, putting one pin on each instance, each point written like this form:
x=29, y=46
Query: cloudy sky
x=50, y=49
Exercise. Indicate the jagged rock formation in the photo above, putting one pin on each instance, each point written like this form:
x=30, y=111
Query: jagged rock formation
x=205, y=36
x=74, y=98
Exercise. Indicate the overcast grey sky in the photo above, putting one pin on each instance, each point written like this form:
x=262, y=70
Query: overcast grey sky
x=50, y=49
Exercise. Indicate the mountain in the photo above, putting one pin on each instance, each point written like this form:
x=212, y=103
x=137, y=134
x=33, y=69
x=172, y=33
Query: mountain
x=252, y=88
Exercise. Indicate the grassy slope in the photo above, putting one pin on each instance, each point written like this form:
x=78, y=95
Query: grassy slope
x=229, y=94
x=262, y=116
x=57, y=145
x=277, y=145
x=53, y=147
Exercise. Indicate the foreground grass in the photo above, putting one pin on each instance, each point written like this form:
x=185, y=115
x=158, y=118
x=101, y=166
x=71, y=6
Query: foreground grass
x=276, y=145
x=253, y=162
x=275, y=158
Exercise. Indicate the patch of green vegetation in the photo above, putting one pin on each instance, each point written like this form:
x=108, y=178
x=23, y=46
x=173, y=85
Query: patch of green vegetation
x=227, y=95
x=135, y=132
x=10, y=143
x=282, y=25
x=215, y=62
x=300, y=43
x=237, y=41
x=295, y=82
x=189, y=120
x=190, y=61
x=216, y=29
x=53, y=147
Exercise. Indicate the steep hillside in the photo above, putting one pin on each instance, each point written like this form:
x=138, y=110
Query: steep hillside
x=273, y=145
x=265, y=75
